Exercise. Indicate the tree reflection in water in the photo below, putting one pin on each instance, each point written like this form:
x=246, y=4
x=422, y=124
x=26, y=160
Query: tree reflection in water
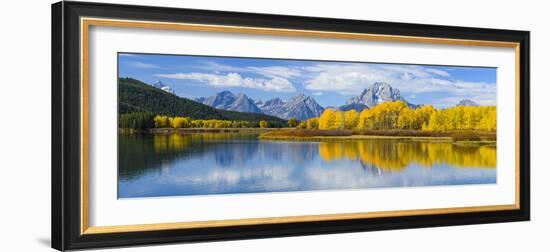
x=395, y=156
x=212, y=163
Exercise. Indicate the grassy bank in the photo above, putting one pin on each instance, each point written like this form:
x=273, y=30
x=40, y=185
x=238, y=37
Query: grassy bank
x=468, y=135
x=210, y=130
x=292, y=134
x=317, y=135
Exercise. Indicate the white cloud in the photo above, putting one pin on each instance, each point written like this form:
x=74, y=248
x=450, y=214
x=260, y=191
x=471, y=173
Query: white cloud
x=276, y=71
x=480, y=92
x=350, y=79
x=138, y=64
x=270, y=177
x=268, y=71
x=127, y=55
x=342, y=78
x=216, y=67
x=412, y=71
x=481, y=99
x=276, y=84
x=438, y=72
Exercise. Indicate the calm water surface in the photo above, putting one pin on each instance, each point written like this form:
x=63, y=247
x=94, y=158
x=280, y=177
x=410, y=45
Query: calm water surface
x=223, y=163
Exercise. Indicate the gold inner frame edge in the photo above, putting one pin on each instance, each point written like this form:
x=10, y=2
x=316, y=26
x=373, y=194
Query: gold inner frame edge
x=85, y=24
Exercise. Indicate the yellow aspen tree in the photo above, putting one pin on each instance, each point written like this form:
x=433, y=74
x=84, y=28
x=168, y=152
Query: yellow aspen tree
x=327, y=119
x=351, y=118
x=395, y=109
x=435, y=123
x=292, y=122
x=312, y=123
x=339, y=120
x=177, y=122
x=405, y=119
x=161, y=121
x=471, y=119
x=170, y=122
x=365, y=119
x=422, y=116
x=457, y=117
x=488, y=121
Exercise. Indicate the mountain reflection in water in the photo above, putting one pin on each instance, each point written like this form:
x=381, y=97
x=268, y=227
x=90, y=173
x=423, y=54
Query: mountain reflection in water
x=223, y=163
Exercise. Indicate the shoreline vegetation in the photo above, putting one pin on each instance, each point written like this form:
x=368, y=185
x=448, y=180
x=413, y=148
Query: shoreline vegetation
x=321, y=135
x=292, y=134
x=388, y=120
x=209, y=130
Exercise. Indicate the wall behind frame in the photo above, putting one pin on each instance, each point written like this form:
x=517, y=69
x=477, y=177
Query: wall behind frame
x=25, y=125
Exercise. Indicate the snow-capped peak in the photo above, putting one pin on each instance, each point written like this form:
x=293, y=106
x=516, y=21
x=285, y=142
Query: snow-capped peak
x=160, y=85
x=377, y=93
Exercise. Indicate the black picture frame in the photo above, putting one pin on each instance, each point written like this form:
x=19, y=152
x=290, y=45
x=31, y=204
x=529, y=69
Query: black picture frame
x=66, y=114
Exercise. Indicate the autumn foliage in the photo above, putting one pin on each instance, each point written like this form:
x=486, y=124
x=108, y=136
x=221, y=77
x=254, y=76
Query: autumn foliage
x=186, y=122
x=393, y=115
x=397, y=115
x=263, y=124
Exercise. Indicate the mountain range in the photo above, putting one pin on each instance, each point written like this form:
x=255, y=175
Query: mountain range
x=301, y=106
x=229, y=101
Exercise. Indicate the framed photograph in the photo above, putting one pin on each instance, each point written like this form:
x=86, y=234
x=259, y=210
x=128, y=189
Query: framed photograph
x=181, y=125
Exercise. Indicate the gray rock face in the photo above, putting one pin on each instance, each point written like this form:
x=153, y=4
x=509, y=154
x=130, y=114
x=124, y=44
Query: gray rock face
x=378, y=93
x=163, y=87
x=301, y=107
x=229, y=101
x=271, y=106
x=357, y=106
x=467, y=102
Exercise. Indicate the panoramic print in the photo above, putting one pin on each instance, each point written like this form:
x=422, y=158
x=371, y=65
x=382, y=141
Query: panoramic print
x=200, y=125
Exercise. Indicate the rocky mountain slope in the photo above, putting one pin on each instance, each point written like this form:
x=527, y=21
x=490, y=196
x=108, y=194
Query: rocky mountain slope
x=300, y=107
x=229, y=101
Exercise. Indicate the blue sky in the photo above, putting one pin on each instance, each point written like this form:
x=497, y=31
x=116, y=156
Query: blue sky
x=330, y=83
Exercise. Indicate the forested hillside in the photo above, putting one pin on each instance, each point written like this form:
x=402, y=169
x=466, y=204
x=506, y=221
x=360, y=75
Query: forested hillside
x=136, y=97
